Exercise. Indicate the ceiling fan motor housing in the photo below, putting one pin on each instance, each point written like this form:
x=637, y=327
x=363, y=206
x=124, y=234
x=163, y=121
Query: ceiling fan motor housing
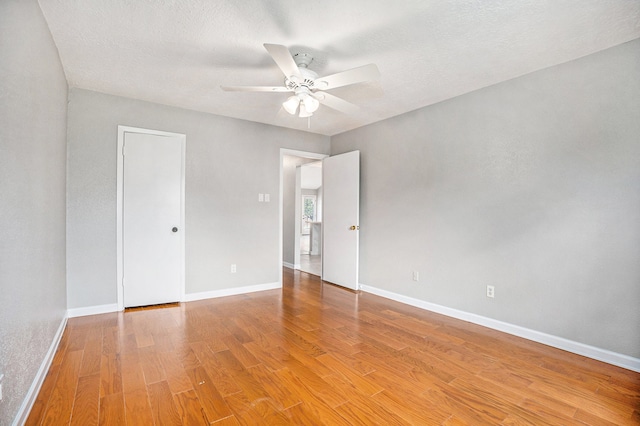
x=308, y=76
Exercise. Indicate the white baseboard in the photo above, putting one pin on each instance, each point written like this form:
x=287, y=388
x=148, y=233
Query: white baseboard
x=32, y=393
x=604, y=355
x=230, y=291
x=92, y=310
x=288, y=265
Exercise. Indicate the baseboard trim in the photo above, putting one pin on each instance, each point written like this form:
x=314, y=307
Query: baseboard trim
x=34, y=389
x=288, y=265
x=604, y=355
x=191, y=297
x=92, y=310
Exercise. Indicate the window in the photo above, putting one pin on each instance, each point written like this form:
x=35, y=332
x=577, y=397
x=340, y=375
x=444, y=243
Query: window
x=308, y=212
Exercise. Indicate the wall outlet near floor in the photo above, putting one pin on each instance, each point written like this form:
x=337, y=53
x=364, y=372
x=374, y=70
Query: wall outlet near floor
x=491, y=291
x=233, y=268
x=416, y=276
x=1, y=377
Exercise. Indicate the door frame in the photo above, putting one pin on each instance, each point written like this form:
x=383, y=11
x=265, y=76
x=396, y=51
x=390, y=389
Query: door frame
x=294, y=153
x=122, y=130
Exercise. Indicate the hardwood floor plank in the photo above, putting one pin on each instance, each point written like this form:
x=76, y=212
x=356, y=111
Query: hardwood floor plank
x=152, y=368
x=92, y=357
x=307, y=382
x=189, y=409
x=60, y=403
x=586, y=401
x=241, y=353
x=112, y=409
x=313, y=411
x=301, y=414
x=256, y=412
x=110, y=341
x=549, y=413
x=281, y=395
x=228, y=421
x=213, y=404
x=225, y=383
x=87, y=401
x=313, y=353
x=593, y=419
x=366, y=414
x=177, y=378
x=40, y=405
x=163, y=406
x=249, y=386
x=413, y=409
x=136, y=398
x=357, y=381
x=269, y=356
x=503, y=399
x=468, y=407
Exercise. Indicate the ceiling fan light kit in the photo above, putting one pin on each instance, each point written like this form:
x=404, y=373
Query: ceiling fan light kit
x=307, y=88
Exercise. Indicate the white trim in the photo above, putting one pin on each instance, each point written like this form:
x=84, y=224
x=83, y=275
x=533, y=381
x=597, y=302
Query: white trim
x=34, y=390
x=290, y=265
x=604, y=355
x=92, y=310
x=191, y=297
x=295, y=153
x=119, y=205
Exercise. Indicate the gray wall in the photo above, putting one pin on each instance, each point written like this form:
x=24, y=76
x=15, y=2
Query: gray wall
x=229, y=162
x=33, y=104
x=532, y=186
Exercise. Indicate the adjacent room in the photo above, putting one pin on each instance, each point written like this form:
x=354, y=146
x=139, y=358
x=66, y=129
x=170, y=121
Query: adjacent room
x=377, y=212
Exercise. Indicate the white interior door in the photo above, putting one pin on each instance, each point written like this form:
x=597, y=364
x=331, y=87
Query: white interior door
x=341, y=207
x=152, y=234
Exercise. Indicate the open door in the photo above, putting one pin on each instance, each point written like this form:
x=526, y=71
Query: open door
x=341, y=204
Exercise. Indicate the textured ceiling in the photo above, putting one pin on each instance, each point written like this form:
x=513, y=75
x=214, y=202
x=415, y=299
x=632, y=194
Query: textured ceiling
x=179, y=52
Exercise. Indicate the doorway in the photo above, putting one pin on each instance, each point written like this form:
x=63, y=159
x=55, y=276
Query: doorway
x=291, y=208
x=150, y=217
x=310, y=194
x=340, y=236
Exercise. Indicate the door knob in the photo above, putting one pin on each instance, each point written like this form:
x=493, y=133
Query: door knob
x=175, y=229
x=354, y=227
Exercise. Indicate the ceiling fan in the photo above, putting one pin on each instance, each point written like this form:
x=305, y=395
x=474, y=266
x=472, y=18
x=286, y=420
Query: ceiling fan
x=309, y=89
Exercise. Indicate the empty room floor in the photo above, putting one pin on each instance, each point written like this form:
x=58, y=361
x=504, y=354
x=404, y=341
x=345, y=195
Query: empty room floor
x=313, y=354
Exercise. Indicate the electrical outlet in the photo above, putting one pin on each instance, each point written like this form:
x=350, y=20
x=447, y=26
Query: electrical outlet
x=491, y=291
x=1, y=377
x=416, y=276
x=233, y=268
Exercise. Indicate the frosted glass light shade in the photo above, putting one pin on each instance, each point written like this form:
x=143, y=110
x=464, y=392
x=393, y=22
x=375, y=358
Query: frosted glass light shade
x=304, y=113
x=311, y=104
x=291, y=104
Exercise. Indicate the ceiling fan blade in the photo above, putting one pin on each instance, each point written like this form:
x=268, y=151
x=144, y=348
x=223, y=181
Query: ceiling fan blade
x=255, y=89
x=335, y=102
x=283, y=59
x=352, y=76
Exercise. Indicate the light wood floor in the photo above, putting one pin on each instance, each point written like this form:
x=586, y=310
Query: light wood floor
x=315, y=354
x=311, y=264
